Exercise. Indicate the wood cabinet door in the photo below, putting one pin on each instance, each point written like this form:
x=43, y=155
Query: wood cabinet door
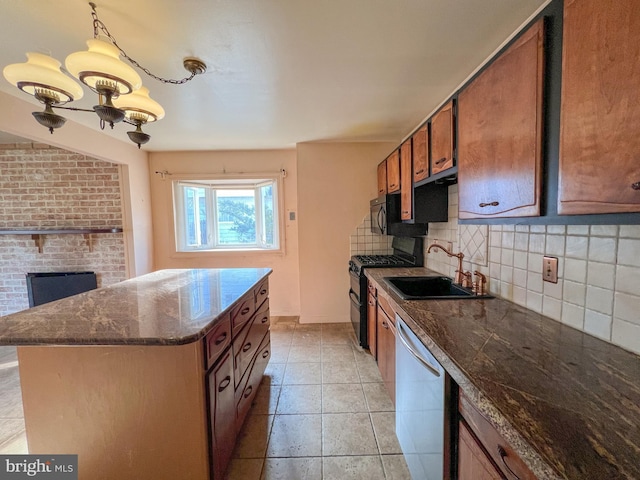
x=222, y=414
x=393, y=172
x=382, y=178
x=473, y=463
x=372, y=337
x=420, y=155
x=406, y=182
x=600, y=107
x=442, y=139
x=500, y=133
x=387, y=352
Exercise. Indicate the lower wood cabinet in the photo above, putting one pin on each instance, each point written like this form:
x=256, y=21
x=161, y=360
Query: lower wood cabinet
x=480, y=446
x=387, y=347
x=372, y=330
x=221, y=404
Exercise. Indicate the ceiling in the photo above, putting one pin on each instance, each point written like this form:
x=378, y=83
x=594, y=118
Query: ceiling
x=279, y=72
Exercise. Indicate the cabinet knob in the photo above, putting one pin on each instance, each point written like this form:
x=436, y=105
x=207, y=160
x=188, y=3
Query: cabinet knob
x=635, y=186
x=221, y=338
x=264, y=319
x=263, y=291
x=393, y=185
x=246, y=347
x=503, y=455
x=419, y=171
x=265, y=354
x=224, y=383
x=248, y=391
x=442, y=160
x=490, y=204
x=245, y=310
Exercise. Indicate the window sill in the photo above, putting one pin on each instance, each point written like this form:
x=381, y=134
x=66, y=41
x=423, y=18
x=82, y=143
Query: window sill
x=231, y=252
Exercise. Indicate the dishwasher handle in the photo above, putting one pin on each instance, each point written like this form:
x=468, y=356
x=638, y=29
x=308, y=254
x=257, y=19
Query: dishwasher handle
x=407, y=343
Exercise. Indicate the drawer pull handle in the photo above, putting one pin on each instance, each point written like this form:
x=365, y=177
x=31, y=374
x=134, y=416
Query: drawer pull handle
x=224, y=383
x=221, y=338
x=265, y=354
x=635, y=186
x=503, y=455
x=246, y=347
x=248, y=391
x=393, y=185
x=491, y=204
x=263, y=291
x=442, y=160
x=265, y=319
x=419, y=171
x=245, y=310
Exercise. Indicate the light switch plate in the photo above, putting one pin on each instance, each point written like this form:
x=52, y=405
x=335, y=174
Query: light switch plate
x=550, y=269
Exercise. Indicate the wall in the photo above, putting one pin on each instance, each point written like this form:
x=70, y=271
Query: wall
x=283, y=283
x=335, y=183
x=16, y=119
x=49, y=188
x=599, y=267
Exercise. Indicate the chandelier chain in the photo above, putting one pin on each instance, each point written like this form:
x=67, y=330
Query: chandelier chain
x=99, y=25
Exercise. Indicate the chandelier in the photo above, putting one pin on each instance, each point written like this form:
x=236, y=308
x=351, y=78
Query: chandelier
x=121, y=96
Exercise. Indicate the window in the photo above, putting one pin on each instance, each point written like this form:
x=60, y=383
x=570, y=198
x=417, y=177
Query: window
x=227, y=214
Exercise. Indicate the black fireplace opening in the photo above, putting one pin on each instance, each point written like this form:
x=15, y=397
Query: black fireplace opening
x=50, y=286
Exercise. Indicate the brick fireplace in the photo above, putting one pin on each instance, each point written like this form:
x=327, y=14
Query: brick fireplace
x=46, y=188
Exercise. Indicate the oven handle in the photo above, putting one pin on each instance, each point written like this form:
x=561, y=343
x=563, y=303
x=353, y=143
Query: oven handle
x=352, y=294
x=407, y=343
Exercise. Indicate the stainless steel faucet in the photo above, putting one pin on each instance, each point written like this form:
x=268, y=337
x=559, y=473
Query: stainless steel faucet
x=459, y=272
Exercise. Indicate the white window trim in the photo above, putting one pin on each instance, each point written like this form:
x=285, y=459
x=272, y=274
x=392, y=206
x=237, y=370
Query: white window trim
x=241, y=179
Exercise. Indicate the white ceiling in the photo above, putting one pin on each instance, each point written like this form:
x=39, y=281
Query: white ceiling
x=279, y=71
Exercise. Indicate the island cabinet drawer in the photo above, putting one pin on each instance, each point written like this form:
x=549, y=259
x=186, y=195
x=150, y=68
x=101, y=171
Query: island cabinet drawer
x=217, y=340
x=243, y=312
x=247, y=342
x=261, y=293
x=249, y=387
x=507, y=460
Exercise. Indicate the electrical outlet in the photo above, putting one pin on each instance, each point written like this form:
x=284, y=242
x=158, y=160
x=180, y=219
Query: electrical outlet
x=550, y=269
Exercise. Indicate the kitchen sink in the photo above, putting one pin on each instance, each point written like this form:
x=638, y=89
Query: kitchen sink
x=429, y=288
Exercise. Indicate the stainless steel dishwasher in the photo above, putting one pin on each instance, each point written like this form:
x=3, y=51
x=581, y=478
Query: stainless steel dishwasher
x=421, y=413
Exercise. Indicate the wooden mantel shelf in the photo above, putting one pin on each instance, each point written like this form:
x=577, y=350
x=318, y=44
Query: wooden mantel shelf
x=38, y=234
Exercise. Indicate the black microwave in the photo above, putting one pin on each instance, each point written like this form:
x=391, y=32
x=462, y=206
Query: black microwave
x=385, y=218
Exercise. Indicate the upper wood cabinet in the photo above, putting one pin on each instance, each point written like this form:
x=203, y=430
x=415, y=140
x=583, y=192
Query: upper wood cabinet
x=382, y=178
x=600, y=108
x=406, y=182
x=420, y=154
x=393, y=172
x=442, y=139
x=500, y=133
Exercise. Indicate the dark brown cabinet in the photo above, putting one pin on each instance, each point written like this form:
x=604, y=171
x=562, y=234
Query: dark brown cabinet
x=420, y=154
x=473, y=463
x=387, y=346
x=223, y=423
x=500, y=133
x=406, y=182
x=600, y=108
x=393, y=172
x=372, y=307
x=442, y=139
x=382, y=178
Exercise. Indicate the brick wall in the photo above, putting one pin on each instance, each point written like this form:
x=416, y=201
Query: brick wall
x=43, y=187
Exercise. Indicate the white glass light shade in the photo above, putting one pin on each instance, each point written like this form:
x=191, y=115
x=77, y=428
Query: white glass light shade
x=139, y=106
x=102, y=64
x=40, y=73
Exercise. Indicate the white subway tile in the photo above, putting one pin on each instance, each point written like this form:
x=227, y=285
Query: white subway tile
x=495, y=254
x=627, y=307
x=578, y=229
x=506, y=274
x=534, y=301
x=520, y=260
x=602, y=249
x=494, y=269
x=520, y=277
x=508, y=228
x=628, y=280
x=600, y=300
x=536, y=243
x=507, y=239
x=572, y=315
x=520, y=296
x=522, y=228
x=597, y=324
x=537, y=229
x=521, y=241
x=506, y=291
x=600, y=275
x=535, y=262
x=626, y=334
x=553, y=289
x=495, y=239
x=552, y=307
x=629, y=252
x=507, y=257
x=577, y=247
x=555, y=245
x=629, y=231
x=534, y=282
x=604, y=230
x=556, y=229
x=574, y=292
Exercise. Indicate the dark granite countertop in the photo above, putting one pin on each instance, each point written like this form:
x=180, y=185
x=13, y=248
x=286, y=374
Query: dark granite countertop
x=567, y=402
x=167, y=307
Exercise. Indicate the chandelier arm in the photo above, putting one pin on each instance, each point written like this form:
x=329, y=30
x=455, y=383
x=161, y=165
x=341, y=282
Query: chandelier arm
x=99, y=25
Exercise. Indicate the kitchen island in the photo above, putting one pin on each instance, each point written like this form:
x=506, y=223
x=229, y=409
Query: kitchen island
x=568, y=403
x=147, y=379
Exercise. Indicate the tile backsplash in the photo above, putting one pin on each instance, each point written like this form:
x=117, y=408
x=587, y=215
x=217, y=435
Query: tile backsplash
x=365, y=242
x=598, y=289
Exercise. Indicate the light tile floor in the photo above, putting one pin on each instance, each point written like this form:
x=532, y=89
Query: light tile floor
x=322, y=411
